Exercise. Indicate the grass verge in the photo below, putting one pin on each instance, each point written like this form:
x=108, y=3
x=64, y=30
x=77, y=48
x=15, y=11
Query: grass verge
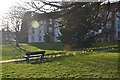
x=97, y=65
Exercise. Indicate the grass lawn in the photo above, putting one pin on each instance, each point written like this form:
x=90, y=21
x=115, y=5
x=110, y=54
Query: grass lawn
x=48, y=46
x=96, y=65
x=103, y=44
x=12, y=52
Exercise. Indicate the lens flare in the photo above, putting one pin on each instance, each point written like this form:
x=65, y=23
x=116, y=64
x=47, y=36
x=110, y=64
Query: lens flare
x=35, y=24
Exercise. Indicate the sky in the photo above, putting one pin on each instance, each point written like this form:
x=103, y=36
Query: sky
x=4, y=7
x=6, y=4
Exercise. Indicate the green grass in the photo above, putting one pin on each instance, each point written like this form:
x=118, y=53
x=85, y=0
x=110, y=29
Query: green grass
x=9, y=52
x=48, y=46
x=96, y=65
x=104, y=44
x=12, y=52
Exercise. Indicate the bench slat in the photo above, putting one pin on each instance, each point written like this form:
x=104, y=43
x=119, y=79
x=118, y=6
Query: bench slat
x=34, y=54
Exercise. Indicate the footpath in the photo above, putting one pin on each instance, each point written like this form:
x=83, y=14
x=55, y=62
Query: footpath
x=12, y=60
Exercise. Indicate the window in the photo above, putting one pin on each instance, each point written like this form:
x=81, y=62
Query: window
x=118, y=34
x=41, y=22
x=44, y=22
x=32, y=14
x=33, y=31
x=32, y=38
x=39, y=38
x=50, y=29
x=108, y=25
x=119, y=23
x=39, y=32
x=50, y=20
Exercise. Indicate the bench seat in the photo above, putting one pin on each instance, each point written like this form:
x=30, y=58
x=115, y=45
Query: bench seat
x=34, y=54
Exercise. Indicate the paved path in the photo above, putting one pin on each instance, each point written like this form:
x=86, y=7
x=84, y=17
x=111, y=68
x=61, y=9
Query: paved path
x=15, y=60
x=12, y=60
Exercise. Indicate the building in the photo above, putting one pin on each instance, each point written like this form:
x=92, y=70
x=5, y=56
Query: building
x=117, y=25
x=47, y=31
x=111, y=31
x=40, y=28
x=7, y=36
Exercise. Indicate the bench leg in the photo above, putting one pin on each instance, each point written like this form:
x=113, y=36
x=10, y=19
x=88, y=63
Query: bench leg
x=27, y=59
x=42, y=58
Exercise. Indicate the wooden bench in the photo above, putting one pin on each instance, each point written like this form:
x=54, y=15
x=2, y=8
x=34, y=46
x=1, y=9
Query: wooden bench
x=34, y=54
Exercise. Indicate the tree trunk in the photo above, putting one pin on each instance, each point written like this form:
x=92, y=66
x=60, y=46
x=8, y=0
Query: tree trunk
x=17, y=39
x=67, y=46
x=17, y=43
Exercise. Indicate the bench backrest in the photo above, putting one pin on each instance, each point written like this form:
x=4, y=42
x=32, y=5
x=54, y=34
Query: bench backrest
x=35, y=53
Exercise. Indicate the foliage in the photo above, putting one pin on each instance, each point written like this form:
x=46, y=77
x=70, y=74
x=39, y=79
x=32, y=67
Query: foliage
x=81, y=25
x=14, y=21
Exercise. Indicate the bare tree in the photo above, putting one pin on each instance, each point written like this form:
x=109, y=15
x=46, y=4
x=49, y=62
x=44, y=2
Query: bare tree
x=14, y=17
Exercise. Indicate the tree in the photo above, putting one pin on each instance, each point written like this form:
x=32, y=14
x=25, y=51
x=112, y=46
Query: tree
x=79, y=26
x=14, y=17
x=80, y=21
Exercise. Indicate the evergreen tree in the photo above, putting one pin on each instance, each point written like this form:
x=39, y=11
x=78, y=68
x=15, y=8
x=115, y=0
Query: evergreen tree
x=79, y=27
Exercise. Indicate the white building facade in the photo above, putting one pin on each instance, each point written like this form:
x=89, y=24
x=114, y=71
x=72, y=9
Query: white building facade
x=117, y=25
x=112, y=29
x=47, y=31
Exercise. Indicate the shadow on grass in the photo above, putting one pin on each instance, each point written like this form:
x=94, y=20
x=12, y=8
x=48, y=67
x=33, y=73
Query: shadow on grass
x=53, y=46
x=46, y=60
x=48, y=46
